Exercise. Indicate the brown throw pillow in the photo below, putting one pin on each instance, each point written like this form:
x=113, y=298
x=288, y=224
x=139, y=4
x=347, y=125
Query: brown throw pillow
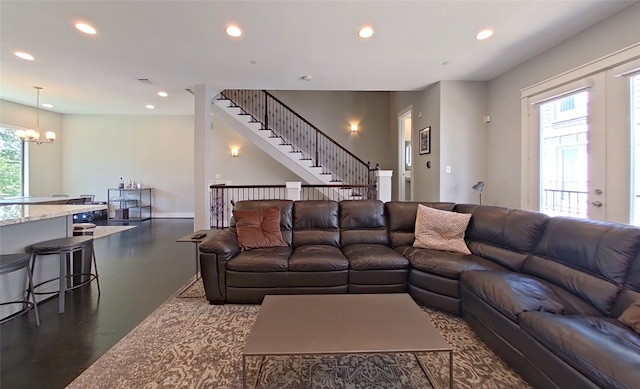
x=259, y=228
x=631, y=317
x=441, y=230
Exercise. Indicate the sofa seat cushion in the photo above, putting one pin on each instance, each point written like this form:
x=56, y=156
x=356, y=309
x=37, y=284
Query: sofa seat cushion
x=374, y=257
x=270, y=259
x=317, y=258
x=601, y=348
x=514, y=293
x=447, y=264
x=287, y=279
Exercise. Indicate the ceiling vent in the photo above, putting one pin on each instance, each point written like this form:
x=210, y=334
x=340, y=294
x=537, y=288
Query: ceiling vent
x=145, y=81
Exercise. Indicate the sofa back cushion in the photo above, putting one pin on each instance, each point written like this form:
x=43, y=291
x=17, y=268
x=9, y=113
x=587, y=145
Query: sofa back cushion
x=362, y=222
x=315, y=222
x=286, y=212
x=588, y=258
x=401, y=219
x=503, y=235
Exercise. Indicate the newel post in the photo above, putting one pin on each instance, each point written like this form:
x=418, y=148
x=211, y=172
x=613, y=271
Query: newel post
x=293, y=190
x=384, y=184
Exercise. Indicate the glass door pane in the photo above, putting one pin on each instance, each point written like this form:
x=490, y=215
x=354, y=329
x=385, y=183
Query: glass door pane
x=635, y=151
x=564, y=170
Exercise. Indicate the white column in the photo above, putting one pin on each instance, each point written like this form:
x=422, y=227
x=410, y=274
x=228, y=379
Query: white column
x=202, y=158
x=384, y=184
x=293, y=190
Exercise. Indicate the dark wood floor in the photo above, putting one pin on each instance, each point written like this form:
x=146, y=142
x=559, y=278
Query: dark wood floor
x=139, y=270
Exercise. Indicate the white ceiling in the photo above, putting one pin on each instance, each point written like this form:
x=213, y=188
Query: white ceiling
x=177, y=44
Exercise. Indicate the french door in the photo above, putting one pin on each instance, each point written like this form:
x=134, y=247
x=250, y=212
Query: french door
x=569, y=150
x=582, y=142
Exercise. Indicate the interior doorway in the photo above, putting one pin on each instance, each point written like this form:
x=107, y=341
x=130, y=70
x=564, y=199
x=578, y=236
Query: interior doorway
x=406, y=156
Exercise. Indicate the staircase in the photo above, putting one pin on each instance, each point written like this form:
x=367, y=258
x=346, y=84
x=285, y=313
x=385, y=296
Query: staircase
x=296, y=143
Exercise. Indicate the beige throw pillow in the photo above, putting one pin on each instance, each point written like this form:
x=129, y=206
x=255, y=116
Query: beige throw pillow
x=441, y=230
x=631, y=317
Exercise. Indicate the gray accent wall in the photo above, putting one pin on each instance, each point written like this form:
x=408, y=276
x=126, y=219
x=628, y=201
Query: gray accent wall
x=333, y=111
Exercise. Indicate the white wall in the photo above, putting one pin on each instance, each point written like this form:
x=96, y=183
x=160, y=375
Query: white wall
x=504, y=148
x=252, y=166
x=157, y=150
x=154, y=149
x=45, y=161
x=454, y=111
x=426, y=180
x=463, y=139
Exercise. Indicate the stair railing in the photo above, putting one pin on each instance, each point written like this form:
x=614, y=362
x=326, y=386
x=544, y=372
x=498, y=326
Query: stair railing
x=302, y=136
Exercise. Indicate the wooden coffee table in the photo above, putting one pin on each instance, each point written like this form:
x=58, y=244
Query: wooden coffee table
x=342, y=324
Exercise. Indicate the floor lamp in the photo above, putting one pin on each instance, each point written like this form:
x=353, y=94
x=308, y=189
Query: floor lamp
x=479, y=187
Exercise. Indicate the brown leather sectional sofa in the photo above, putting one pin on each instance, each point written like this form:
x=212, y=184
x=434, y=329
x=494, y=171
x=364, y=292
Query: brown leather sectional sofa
x=544, y=293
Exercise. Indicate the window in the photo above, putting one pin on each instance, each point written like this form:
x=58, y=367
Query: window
x=11, y=163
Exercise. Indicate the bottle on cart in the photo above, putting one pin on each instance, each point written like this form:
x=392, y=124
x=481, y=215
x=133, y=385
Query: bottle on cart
x=121, y=184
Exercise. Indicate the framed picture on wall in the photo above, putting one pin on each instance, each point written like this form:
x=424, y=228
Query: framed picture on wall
x=425, y=140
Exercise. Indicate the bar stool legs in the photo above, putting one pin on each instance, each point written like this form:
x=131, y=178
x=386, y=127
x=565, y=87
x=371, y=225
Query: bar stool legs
x=14, y=262
x=65, y=248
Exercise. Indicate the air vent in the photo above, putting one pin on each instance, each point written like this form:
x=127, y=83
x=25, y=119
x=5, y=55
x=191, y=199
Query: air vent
x=145, y=81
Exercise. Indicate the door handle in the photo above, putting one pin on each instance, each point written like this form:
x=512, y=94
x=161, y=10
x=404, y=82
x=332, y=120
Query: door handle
x=597, y=204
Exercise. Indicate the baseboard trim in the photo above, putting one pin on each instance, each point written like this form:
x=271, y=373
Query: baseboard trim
x=157, y=215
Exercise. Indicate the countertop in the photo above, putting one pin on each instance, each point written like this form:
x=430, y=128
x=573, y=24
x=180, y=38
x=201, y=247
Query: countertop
x=15, y=214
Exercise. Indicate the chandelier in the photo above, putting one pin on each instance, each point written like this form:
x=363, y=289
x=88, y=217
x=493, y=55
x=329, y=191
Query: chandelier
x=31, y=135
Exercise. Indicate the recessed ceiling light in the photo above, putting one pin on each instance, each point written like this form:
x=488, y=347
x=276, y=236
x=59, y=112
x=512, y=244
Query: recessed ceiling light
x=87, y=29
x=47, y=105
x=484, y=34
x=149, y=106
x=24, y=55
x=163, y=94
x=234, y=31
x=365, y=32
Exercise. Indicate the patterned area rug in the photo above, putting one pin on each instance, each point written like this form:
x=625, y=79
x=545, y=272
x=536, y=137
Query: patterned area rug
x=187, y=343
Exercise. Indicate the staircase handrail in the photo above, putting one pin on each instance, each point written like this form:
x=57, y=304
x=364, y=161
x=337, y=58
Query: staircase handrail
x=316, y=128
x=227, y=94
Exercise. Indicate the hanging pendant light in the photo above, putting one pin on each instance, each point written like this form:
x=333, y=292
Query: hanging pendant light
x=31, y=135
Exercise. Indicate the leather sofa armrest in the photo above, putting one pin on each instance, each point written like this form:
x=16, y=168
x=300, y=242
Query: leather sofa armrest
x=224, y=244
x=215, y=252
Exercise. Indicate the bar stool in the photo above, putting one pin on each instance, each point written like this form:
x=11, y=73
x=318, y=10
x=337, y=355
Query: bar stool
x=14, y=262
x=80, y=229
x=65, y=247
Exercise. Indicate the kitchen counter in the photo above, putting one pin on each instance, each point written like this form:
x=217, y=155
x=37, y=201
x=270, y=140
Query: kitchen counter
x=14, y=214
x=24, y=225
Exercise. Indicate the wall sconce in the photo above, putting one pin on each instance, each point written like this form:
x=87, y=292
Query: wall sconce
x=354, y=128
x=234, y=152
